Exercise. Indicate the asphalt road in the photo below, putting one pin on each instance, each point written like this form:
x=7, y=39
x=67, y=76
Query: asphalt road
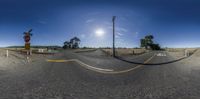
x=70, y=80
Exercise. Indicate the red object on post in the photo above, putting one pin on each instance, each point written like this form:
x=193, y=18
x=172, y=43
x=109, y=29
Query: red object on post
x=27, y=38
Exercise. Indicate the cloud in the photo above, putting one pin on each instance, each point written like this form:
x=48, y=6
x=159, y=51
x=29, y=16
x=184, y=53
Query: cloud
x=136, y=34
x=109, y=24
x=94, y=13
x=120, y=29
x=42, y=22
x=120, y=34
x=90, y=20
x=117, y=36
x=82, y=35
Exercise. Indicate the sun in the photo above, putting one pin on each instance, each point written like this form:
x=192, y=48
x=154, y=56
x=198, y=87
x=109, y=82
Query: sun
x=99, y=32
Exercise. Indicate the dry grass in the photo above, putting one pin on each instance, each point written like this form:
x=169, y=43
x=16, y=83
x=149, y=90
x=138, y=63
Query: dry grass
x=189, y=50
x=125, y=51
x=180, y=52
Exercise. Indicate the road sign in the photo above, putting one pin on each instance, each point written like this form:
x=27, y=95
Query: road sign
x=27, y=46
x=27, y=38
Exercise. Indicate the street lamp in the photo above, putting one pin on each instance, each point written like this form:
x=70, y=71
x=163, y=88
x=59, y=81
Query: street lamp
x=113, y=20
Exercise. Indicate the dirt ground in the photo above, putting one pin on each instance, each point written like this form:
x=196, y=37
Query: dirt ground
x=16, y=58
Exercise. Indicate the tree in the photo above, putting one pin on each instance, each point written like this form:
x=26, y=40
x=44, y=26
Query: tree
x=149, y=39
x=66, y=45
x=73, y=43
x=155, y=46
x=143, y=43
x=147, y=42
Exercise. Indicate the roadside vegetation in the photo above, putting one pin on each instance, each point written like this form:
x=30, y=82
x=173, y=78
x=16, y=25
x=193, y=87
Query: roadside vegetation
x=147, y=43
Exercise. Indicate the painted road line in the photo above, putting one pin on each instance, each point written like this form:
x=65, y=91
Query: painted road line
x=149, y=59
x=81, y=63
x=101, y=70
x=59, y=61
x=131, y=69
x=161, y=54
x=92, y=67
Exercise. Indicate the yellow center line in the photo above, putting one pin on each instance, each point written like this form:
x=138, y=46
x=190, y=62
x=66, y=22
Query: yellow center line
x=149, y=59
x=131, y=69
x=101, y=70
x=59, y=61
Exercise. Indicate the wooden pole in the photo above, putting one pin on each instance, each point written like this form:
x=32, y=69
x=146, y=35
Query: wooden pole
x=113, y=20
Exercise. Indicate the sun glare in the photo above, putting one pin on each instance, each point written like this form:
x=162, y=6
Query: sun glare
x=99, y=32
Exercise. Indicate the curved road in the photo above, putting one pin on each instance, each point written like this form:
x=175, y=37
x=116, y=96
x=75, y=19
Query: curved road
x=70, y=80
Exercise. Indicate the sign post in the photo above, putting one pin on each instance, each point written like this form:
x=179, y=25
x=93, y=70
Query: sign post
x=27, y=38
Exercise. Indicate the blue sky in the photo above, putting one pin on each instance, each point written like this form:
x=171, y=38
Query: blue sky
x=174, y=23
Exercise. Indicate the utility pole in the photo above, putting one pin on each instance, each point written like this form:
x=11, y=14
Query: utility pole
x=113, y=20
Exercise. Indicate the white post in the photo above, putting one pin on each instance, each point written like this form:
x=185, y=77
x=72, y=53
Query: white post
x=6, y=53
x=27, y=58
x=186, y=53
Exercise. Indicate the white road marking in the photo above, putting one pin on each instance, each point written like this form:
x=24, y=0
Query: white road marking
x=161, y=54
x=101, y=70
x=92, y=67
x=81, y=63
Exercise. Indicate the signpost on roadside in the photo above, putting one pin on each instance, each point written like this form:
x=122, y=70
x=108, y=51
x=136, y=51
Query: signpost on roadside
x=27, y=38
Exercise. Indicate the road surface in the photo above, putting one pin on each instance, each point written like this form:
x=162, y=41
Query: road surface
x=70, y=80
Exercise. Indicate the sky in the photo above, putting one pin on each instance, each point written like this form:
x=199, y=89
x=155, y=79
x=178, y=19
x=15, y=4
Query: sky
x=173, y=23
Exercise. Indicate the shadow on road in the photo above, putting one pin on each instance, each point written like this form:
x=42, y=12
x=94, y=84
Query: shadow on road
x=173, y=61
x=120, y=58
